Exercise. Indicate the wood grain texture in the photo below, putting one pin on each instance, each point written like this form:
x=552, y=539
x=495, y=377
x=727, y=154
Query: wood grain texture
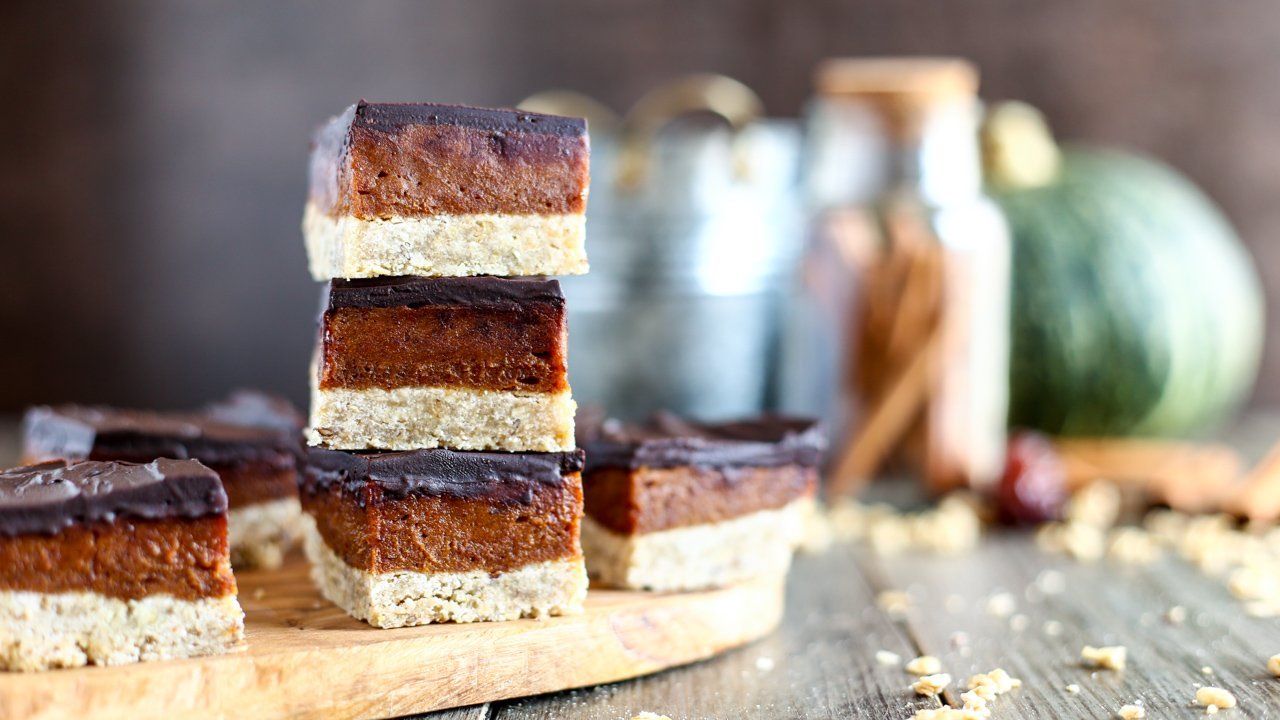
x=820, y=664
x=306, y=659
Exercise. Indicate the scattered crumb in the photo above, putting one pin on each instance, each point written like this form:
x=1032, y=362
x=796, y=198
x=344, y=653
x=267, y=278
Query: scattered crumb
x=259, y=593
x=974, y=701
x=1273, y=665
x=931, y=684
x=959, y=640
x=953, y=526
x=1206, y=670
x=894, y=602
x=1052, y=628
x=924, y=665
x=764, y=664
x=1019, y=622
x=1211, y=709
x=1209, y=696
x=991, y=684
x=1051, y=582
x=1001, y=605
x=889, y=659
x=646, y=715
x=949, y=713
x=1104, y=658
x=1176, y=615
x=1082, y=542
x=1096, y=504
x=1131, y=712
x=1073, y=688
x=1133, y=546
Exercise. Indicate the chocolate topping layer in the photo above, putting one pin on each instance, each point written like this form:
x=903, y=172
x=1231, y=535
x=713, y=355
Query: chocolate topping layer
x=487, y=293
x=499, y=477
x=77, y=432
x=667, y=441
x=50, y=497
x=387, y=117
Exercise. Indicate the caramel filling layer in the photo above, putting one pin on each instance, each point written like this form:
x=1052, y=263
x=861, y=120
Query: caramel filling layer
x=126, y=558
x=445, y=533
x=649, y=499
x=252, y=483
x=445, y=346
x=419, y=170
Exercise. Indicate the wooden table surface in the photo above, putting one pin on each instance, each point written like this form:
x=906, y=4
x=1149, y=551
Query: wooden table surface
x=822, y=662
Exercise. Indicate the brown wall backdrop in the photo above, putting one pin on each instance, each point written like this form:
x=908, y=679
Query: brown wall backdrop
x=153, y=152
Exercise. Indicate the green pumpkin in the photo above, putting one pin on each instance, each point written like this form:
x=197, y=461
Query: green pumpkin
x=1136, y=310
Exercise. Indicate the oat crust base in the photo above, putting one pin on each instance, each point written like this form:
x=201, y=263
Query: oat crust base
x=410, y=418
x=444, y=245
x=699, y=556
x=39, y=631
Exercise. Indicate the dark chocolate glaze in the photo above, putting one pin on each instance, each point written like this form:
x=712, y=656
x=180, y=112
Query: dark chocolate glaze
x=494, y=476
x=667, y=441
x=387, y=117
x=229, y=432
x=482, y=292
x=50, y=497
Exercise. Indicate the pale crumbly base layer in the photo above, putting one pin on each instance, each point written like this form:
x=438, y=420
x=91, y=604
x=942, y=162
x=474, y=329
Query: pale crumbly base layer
x=699, y=556
x=262, y=534
x=404, y=598
x=39, y=631
x=444, y=245
x=409, y=418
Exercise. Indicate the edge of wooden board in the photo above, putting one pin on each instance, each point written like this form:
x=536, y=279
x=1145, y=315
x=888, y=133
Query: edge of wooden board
x=305, y=658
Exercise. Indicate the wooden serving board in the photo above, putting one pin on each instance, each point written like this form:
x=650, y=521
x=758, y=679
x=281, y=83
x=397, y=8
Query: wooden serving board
x=305, y=658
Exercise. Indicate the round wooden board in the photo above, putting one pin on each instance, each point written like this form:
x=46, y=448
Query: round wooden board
x=307, y=659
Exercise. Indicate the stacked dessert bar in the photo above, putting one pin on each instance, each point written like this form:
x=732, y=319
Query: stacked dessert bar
x=443, y=483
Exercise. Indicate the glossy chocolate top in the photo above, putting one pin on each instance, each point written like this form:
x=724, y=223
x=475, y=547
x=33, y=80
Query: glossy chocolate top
x=387, y=117
x=668, y=441
x=481, y=292
x=50, y=497
x=246, y=427
x=496, y=476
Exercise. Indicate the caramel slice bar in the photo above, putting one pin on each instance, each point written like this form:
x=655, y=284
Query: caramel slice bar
x=253, y=441
x=107, y=563
x=440, y=190
x=675, y=505
x=463, y=363
x=428, y=536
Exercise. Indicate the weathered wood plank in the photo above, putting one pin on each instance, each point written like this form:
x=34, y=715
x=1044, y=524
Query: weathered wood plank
x=820, y=664
x=1102, y=604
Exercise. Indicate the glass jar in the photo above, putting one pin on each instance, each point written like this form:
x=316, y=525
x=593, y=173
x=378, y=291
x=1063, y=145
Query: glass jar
x=898, y=331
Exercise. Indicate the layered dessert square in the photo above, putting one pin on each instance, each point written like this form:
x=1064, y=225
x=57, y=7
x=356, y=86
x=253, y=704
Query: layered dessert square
x=676, y=505
x=473, y=363
x=441, y=190
x=253, y=441
x=107, y=563
x=427, y=536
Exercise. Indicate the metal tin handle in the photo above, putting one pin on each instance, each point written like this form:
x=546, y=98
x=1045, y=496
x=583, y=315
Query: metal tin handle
x=703, y=92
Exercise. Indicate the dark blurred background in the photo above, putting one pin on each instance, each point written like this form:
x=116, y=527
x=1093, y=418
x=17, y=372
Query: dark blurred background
x=152, y=180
